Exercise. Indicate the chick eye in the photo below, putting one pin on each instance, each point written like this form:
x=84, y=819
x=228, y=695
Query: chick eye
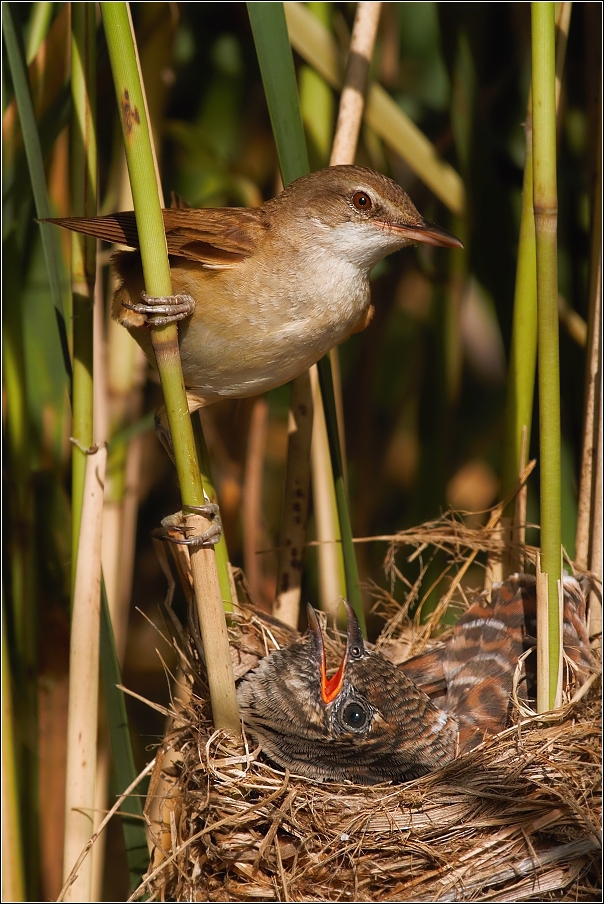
x=354, y=716
x=362, y=201
x=355, y=652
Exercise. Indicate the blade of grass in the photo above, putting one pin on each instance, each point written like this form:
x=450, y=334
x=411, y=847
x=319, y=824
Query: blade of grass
x=278, y=77
x=317, y=101
x=16, y=60
x=137, y=851
x=133, y=116
x=545, y=204
x=39, y=24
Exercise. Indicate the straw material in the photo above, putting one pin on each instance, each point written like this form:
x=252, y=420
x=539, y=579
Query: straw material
x=518, y=818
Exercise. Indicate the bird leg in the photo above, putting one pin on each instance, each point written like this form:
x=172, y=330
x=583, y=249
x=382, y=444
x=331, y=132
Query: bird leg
x=173, y=307
x=174, y=526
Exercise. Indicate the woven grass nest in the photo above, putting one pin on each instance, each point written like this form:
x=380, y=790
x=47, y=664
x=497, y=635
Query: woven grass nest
x=517, y=818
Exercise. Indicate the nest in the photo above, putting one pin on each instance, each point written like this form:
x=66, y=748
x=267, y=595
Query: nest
x=517, y=818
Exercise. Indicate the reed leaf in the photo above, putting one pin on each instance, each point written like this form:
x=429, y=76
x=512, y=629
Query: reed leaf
x=33, y=151
x=135, y=838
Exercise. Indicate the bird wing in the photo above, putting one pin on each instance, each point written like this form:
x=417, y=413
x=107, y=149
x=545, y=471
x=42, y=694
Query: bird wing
x=217, y=237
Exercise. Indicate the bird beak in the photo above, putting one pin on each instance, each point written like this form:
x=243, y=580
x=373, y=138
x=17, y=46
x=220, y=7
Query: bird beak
x=428, y=234
x=331, y=687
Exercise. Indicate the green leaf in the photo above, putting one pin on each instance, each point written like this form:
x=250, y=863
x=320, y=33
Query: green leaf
x=279, y=78
x=135, y=838
x=33, y=151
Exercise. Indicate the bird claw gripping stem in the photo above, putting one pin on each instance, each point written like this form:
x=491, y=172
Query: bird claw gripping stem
x=172, y=307
x=173, y=527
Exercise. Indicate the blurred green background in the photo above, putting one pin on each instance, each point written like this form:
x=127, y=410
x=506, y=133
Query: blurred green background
x=424, y=386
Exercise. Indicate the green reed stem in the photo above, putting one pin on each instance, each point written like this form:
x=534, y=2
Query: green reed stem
x=156, y=271
x=545, y=203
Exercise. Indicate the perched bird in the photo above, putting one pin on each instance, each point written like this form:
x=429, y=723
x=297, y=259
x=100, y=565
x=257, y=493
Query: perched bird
x=373, y=720
x=263, y=293
x=367, y=723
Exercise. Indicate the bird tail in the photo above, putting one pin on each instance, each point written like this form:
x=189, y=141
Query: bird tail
x=119, y=228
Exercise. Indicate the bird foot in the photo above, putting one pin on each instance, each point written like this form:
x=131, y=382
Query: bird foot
x=174, y=526
x=172, y=307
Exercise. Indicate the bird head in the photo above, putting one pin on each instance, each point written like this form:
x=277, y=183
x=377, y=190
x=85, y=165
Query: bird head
x=366, y=723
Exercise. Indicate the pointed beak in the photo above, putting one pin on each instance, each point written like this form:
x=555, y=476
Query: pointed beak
x=331, y=687
x=428, y=234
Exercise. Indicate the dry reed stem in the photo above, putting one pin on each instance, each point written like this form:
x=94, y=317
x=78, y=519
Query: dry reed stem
x=292, y=533
x=83, y=678
x=332, y=584
x=352, y=101
x=252, y=497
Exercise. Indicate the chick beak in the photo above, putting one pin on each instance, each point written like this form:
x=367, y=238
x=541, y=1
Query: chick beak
x=331, y=687
x=428, y=234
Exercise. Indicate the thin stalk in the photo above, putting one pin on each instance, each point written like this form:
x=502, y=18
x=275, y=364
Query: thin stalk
x=523, y=349
x=332, y=579
x=346, y=138
x=350, y=566
x=545, y=203
x=135, y=128
x=221, y=551
x=352, y=100
x=523, y=346
x=593, y=365
x=292, y=533
x=251, y=509
x=83, y=163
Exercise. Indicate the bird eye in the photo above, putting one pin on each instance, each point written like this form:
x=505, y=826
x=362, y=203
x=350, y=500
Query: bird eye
x=355, y=652
x=361, y=200
x=354, y=716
